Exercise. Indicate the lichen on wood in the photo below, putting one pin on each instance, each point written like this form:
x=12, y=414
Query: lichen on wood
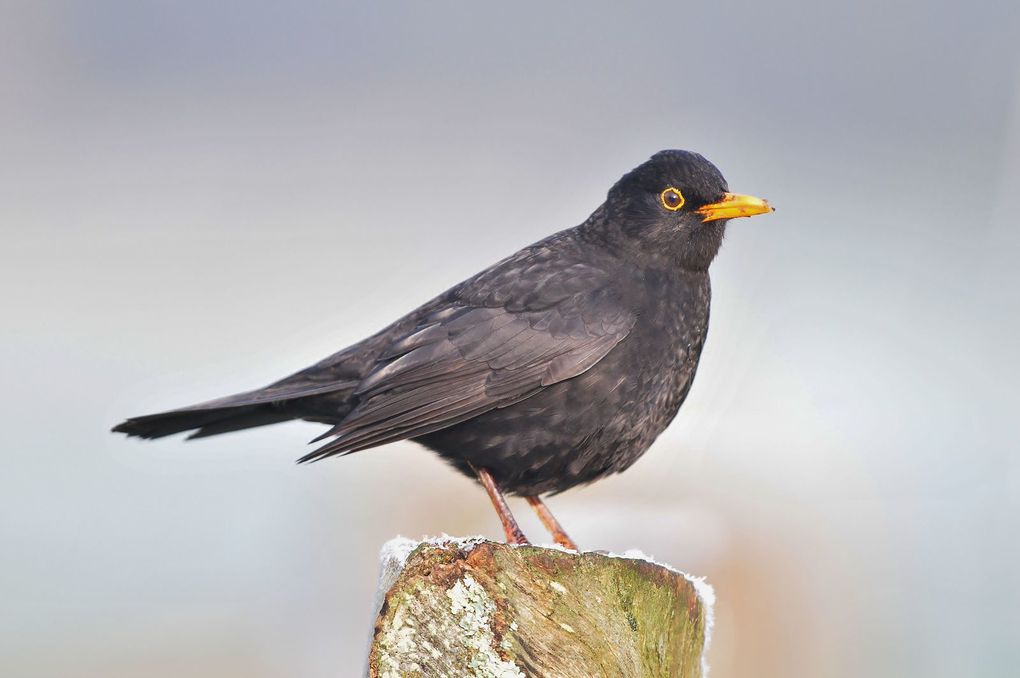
x=491, y=610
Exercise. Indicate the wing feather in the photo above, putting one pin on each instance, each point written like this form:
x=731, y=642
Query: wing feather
x=464, y=360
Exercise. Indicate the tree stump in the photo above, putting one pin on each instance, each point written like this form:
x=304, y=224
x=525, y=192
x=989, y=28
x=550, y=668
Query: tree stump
x=471, y=607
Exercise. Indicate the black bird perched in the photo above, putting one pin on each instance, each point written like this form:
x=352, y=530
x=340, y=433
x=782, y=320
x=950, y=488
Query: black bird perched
x=556, y=366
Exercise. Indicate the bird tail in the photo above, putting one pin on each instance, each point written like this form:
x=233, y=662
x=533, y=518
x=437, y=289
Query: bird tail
x=279, y=402
x=208, y=421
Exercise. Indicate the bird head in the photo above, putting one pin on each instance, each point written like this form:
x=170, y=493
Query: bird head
x=674, y=208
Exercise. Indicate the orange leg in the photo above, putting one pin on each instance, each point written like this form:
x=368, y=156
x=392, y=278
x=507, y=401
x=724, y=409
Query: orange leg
x=551, y=524
x=513, y=532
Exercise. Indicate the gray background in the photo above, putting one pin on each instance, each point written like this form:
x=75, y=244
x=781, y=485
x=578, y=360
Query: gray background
x=197, y=198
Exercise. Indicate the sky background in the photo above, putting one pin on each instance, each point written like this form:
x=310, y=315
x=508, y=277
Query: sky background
x=198, y=198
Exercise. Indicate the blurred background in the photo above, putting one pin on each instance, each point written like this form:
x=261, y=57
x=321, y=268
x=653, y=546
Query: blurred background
x=197, y=198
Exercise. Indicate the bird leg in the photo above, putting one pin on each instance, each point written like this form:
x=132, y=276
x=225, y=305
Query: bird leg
x=513, y=532
x=559, y=535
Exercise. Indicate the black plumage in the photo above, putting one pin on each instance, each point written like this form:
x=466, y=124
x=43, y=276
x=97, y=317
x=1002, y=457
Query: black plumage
x=556, y=366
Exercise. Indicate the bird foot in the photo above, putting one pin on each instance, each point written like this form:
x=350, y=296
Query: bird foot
x=514, y=533
x=559, y=535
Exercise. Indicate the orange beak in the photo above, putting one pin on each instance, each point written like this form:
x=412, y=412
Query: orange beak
x=734, y=205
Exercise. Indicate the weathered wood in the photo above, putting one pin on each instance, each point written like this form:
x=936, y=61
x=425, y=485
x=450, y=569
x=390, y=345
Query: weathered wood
x=492, y=610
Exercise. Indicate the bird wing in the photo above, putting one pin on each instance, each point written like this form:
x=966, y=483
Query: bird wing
x=468, y=357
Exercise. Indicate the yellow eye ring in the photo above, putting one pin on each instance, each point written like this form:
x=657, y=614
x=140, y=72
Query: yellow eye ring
x=672, y=199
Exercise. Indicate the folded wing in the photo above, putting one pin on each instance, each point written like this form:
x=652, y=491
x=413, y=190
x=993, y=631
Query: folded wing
x=465, y=359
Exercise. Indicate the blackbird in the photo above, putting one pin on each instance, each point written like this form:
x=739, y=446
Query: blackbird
x=552, y=368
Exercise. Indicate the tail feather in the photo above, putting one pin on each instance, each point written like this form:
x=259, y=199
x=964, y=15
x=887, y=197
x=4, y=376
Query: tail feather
x=208, y=422
x=279, y=402
x=240, y=421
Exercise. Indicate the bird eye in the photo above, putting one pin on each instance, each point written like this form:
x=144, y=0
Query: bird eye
x=672, y=199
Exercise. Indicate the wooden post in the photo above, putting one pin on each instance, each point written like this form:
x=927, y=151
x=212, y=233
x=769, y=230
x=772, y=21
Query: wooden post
x=470, y=607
